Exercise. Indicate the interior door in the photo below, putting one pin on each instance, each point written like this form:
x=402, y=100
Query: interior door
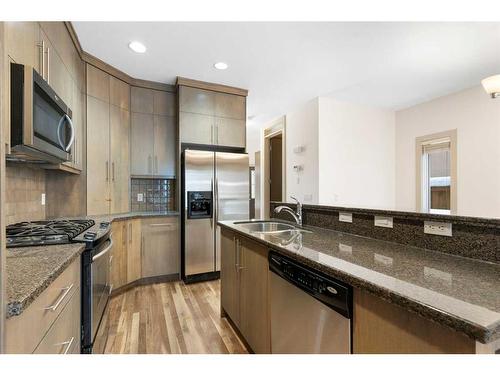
x=198, y=232
x=231, y=191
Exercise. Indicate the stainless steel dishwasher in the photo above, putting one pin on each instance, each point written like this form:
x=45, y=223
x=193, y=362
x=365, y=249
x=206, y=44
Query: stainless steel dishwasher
x=310, y=312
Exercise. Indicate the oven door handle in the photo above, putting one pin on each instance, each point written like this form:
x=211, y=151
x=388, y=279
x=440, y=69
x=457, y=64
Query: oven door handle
x=66, y=118
x=95, y=257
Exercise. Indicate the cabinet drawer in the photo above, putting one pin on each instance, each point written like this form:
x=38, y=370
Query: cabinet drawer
x=64, y=335
x=24, y=332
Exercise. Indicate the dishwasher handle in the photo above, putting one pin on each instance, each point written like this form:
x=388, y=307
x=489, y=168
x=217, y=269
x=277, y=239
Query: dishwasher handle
x=331, y=292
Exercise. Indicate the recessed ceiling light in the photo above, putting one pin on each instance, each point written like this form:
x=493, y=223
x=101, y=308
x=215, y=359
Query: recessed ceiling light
x=137, y=46
x=220, y=66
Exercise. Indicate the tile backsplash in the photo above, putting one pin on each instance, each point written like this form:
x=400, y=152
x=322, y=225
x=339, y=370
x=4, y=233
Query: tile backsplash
x=23, y=193
x=158, y=194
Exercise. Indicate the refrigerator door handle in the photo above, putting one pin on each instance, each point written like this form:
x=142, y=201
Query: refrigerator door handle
x=213, y=198
x=216, y=188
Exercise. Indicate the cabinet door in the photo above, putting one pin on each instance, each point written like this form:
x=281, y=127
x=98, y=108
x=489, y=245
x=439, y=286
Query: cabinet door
x=141, y=100
x=97, y=83
x=164, y=103
x=142, y=143
x=119, y=233
x=196, y=101
x=230, y=106
x=98, y=166
x=196, y=128
x=164, y=146
x=120, y=162
x=119, y=93
x=254, y=306
x=134, y=250
x=229, y=277
x=78, y=121
x=21, y=43
x=160, y=249
x=230, y=132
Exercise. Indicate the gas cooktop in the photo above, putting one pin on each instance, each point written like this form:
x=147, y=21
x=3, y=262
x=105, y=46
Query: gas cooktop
x=46, y=232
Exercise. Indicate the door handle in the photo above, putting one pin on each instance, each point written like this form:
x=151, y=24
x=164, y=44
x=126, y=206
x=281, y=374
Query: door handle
x=113, y=170
x=48, y=64
x=129, y=232
x=107, y=170
x=66, y=119
x=149, y=164
x=68, y=344
x=41, y=58
x=156, y=164
x=65, y=292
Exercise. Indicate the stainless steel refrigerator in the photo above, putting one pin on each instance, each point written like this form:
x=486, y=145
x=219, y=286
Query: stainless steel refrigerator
x=216, y=187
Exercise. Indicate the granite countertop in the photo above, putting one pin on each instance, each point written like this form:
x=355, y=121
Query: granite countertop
x=132, y=215
x=461, y=293
x=30, y=270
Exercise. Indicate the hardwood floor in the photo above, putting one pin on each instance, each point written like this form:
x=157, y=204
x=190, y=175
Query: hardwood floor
x=167, y=318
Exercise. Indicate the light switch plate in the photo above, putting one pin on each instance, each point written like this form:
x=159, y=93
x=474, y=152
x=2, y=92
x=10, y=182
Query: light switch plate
x=43, y=199
x=438, y=228
x=345, y=217
x=140, y=197
x=383, y=221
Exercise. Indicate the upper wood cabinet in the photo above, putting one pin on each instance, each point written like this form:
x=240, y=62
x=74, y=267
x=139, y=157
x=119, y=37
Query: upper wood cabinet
x=212, y=118
x=153, y=134
x=108, y=143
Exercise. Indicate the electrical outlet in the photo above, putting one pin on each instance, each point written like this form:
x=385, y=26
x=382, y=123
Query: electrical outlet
x=43, y=199
x=438, y=228
x=346, y=217
x=140, y=197
x=383, y=221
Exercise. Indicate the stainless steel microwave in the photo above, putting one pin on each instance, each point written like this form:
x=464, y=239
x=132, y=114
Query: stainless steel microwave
x=41, y=127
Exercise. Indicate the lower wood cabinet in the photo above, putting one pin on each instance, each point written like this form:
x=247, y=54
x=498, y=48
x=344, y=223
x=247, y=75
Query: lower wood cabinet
x=144, y=248
x=160, y=246
x=245, y=289
x=51, y=323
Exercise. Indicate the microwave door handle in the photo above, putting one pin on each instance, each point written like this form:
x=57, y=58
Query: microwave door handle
x=64, y=118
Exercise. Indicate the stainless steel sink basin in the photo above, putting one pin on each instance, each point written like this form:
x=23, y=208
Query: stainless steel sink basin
x=268, y=226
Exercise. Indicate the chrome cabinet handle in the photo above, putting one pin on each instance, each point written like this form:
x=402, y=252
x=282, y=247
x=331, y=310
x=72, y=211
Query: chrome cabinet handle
x=41, y=58
x=149, y=164
x=162, y=225
x=129, y=232
x=216, y=188
x=156, y=164
x=48, y=64
x=217, y=133
x=107, y=170
x=113, y=170
x=64, y=293
x=68, y=344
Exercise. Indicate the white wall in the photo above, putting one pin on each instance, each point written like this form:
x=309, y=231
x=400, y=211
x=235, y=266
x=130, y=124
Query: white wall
x=302, y=130
x=253, y=142
x=356, y=155
x=477, y=120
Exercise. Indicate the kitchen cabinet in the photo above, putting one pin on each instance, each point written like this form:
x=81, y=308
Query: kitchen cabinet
x=108, y=143
x=160, y=246
x=38, y=328
x=212, y=118
x=245, y=288
x=126, y=263
x=153, y=134
x=134, y=236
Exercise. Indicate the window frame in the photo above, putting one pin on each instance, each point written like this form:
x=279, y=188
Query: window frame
x=420, y=142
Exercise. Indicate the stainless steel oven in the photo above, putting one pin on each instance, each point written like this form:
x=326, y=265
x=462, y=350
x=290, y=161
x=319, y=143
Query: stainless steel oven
x=41, y=125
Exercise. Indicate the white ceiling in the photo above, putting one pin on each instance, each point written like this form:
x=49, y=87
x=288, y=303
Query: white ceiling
x=392, y=65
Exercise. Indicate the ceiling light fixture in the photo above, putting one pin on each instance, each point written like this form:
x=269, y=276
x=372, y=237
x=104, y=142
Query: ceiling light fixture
x=220, y=66
x=137, y=47
x=492, y=85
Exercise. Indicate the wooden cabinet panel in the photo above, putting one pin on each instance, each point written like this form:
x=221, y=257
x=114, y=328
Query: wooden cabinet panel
x=141, y=100
x=119, y=158
x=79, y=124
x=196, y=128
x=230, y=106
x=160, y=248
x=119, y=93
x=21, y=43
x=134, y=266
x=142, y=144
x=229, y=277
x=164, y=103
x=24, y=332
x=64, y=335
x=254, y=296
x=230, y=132
x=165, y=141
x=383, y=328
x=119, y=233
x=195, y=100
x=97, y=83
x=98, y=166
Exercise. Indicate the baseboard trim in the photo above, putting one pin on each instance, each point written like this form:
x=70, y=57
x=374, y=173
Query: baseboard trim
x=145, y=281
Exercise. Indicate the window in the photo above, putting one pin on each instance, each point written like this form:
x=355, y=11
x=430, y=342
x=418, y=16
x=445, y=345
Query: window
x=436, y=192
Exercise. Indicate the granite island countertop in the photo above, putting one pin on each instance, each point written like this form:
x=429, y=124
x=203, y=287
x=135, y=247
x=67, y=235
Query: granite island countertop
x=461, y=293
x=132, y=215
x=30, y=270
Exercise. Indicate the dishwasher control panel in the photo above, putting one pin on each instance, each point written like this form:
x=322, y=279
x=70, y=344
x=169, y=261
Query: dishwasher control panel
x=331, y=292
